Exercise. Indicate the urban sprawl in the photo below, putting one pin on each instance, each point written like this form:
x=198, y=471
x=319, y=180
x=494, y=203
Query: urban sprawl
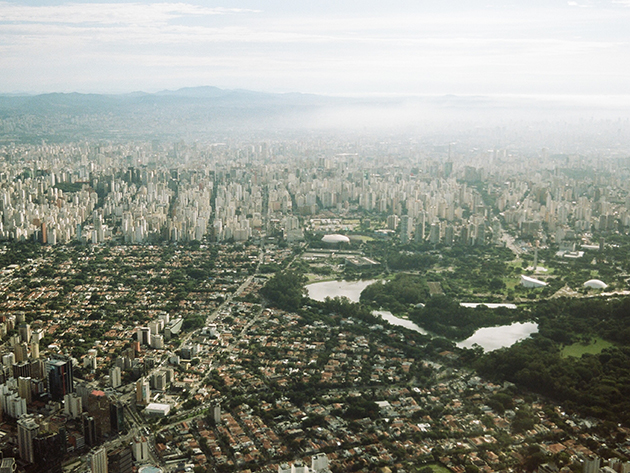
x=135, y=338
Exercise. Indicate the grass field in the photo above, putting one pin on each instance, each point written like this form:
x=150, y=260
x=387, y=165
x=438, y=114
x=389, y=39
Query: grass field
x=436, y=467
x=579, y=349
x=363, y=238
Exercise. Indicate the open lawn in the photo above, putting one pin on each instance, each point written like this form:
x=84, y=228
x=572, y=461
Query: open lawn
x=437, y=468
x=313, y=278
x=363, y=238
x=511, y=282
x=579, y=349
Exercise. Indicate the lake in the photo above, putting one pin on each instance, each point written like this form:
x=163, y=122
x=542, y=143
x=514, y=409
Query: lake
x=488, y=338
x=493, y=338
x=350, y=289
x=392, y=319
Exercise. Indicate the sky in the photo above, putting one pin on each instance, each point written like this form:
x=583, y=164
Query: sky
x=334, y=47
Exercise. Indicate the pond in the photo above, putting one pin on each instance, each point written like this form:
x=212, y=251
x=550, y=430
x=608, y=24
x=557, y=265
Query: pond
x=493, y=338
x=350, y=289
x=392, y=319
x=488, y=338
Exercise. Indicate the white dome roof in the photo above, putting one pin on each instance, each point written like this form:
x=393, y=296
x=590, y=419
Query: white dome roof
x=335, y=239
x=595, y=284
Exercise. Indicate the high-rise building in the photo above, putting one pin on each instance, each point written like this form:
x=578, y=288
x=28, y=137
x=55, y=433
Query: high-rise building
x=144, y=335
x=22, y=369
x=140, y=449
x=25, y=332
x=392, y=221
x=143, y=391
x=27, y=431
x=434, y=234
x=115, y=377
x=49, y=450
x=7, y=465
x=60, y=379
x=158, y=380
x=24, y=389
x=157, y=342
x=591, y=464
x=8, y=359
x=419, y=234
x=406, y=227
x=120, y=460
x=89, y=429
x=116, y=417
x=34, y=349
x=319, y=463
x=21, y=352
x=38, y=369
x=98, y=407
x=98, y=461
x=73, y=405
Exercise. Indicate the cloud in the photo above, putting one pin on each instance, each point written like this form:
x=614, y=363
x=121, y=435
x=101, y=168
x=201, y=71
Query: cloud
x=108, y=13
x=432, y=49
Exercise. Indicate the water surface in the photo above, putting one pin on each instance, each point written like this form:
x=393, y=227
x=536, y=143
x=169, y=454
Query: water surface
x=489, y=338
x=392, y=319
x=351, y=289
x=493, y=338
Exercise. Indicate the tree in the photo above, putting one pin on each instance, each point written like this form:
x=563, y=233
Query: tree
x=285, y=290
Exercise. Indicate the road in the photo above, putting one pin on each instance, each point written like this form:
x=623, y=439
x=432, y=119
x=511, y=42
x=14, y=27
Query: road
x=137, y=425
x=510, y=243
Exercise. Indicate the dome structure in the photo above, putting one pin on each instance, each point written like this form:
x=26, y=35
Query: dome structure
x=526, y=281
x=595, y=284
x=335, y=238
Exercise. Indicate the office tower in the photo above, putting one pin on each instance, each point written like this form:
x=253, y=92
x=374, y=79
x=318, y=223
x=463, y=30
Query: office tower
x=449, y=235
x=8, y=359
x=115, y=377
x=24, y=389
x=98, y=407
x=143, y=392
x=116, y=417
x=419, y=233
x=73, y=405
x=22, y=369
x=157, y=342
x=49, y=450
x=591, y=464
x=7, y=465
x=89, y=429
x=25, y=332
x=158, y=380
x=319, y=463
x=144, y=335
x=434, y=234
x=406, y=226
x=60, y=379
x=98, y=461
x=140, y=449
x=21, y=352
x=119, y=460
x=27, y=431
x=392, y=221
x=34, y=349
